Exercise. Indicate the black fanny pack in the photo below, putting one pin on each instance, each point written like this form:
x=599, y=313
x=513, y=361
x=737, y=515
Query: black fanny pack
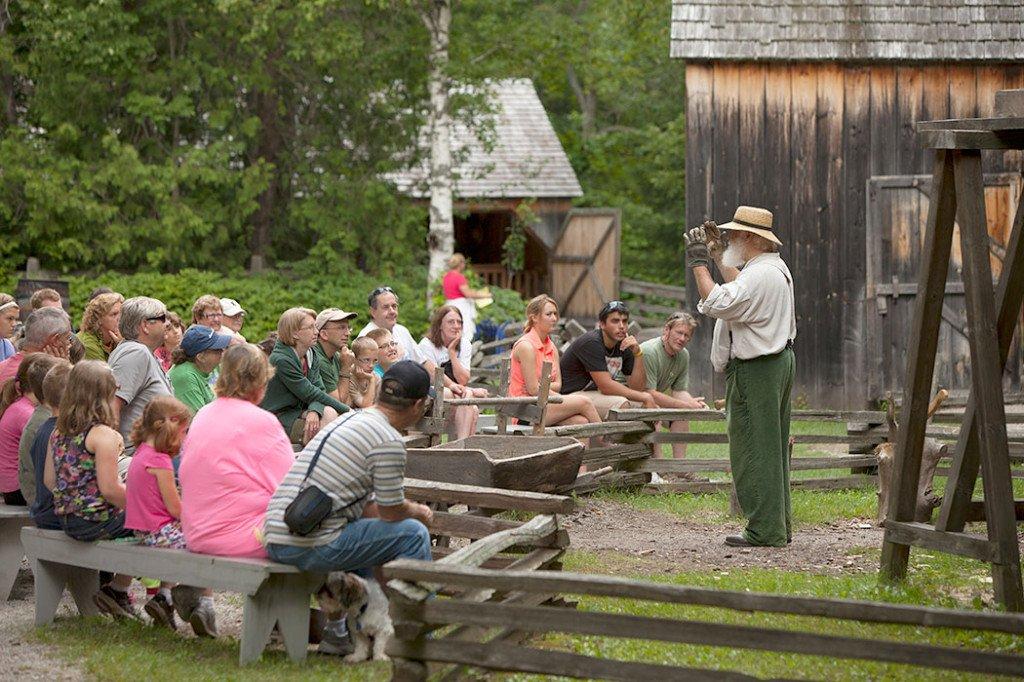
x=312, y=505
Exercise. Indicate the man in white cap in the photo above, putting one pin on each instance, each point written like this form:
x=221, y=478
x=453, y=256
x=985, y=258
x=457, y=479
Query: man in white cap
x=755, y=325
x=234, y=318
x=333, y=328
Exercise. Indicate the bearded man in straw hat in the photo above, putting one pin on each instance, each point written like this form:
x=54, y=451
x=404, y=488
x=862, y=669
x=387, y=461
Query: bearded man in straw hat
x=755, y=325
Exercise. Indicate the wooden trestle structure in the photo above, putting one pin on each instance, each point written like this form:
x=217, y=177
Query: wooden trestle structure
x=992, y=315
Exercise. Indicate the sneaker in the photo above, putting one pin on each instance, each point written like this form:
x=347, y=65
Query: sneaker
x=203, y=621
x=114, y=603
x=334, y=642
x=656, y=479
x=161, y=612
x=186, y=599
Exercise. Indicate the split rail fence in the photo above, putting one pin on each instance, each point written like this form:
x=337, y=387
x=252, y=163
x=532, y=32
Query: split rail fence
x=430, y=631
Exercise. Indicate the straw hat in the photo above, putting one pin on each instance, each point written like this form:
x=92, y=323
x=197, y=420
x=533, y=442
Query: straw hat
x=755, y=220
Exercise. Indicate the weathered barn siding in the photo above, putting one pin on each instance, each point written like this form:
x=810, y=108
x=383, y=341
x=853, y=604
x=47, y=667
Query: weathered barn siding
x=803, y=139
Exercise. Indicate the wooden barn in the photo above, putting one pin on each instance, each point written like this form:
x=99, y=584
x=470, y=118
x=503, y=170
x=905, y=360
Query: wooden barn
x=807, y=108
x=573, y=254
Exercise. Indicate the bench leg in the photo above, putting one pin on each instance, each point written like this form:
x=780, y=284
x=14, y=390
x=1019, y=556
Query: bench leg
x=51, y=578
x=283, y=599
x=10, y=555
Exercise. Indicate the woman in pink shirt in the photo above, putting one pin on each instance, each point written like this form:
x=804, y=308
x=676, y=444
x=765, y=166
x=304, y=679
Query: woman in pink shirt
x=16, y=407
x=233, y=458
x=529, y=354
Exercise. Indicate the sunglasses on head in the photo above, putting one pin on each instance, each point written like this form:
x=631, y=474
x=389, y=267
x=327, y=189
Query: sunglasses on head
x=157, y=318
x=613, y=307
x=377, y=292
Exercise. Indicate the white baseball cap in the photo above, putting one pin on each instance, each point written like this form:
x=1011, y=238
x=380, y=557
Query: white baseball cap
x=230, y=307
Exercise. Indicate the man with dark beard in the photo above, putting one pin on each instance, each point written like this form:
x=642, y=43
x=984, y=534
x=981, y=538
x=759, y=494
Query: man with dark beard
x=755, y=325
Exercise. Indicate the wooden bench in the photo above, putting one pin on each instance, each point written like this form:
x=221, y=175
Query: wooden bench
x=275, y=593
x=12, y=519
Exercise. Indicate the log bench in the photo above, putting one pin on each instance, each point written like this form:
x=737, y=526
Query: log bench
x=274, y=593
x=12, y=519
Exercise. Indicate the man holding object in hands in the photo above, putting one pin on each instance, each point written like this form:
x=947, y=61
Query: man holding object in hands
x=755, y=325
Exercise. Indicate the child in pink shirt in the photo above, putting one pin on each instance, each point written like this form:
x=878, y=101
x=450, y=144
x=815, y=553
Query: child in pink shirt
x=16, y=407
x=153, y=506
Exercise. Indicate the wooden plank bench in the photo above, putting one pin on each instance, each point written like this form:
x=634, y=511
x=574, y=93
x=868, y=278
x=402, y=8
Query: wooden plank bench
x=12, y=519
x=275, y=593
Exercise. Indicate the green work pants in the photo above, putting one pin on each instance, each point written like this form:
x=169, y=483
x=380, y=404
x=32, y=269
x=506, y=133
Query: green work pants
x=757, y=415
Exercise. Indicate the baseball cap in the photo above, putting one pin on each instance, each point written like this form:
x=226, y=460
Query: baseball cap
x=198, y=338
x=332, y=315
x=230, y=307
x=405, y=380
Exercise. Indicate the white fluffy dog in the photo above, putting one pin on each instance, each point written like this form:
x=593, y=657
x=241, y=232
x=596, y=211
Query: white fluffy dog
x=363, y=604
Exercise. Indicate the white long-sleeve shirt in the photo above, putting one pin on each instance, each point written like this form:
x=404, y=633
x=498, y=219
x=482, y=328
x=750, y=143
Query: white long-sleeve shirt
x=755, y=313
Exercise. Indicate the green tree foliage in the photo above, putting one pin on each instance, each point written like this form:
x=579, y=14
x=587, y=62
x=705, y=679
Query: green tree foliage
x=161, y=135
x=178, y=133
x=615, y=98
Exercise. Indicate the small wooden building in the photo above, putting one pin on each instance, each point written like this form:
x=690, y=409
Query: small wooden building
x=806, y=107
x=571, y=254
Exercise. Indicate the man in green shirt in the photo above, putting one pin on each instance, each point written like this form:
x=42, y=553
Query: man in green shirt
x=667, y=364
x=333, y=329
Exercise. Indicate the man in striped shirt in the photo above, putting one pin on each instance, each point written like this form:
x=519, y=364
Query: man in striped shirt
x=361, y=467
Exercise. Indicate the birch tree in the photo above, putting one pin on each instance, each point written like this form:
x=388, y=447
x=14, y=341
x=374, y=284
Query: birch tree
x=437, y=15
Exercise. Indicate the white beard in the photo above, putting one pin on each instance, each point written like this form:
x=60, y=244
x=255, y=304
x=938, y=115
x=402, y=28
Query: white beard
x=732, y=257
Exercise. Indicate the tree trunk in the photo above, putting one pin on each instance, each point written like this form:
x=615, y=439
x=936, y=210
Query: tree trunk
x=441, y=238
x=268, y=150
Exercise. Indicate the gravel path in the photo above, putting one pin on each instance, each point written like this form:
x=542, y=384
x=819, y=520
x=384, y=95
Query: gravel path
x=21, y=658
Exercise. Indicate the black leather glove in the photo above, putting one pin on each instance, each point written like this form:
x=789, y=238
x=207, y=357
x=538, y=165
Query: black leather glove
x=697, y=252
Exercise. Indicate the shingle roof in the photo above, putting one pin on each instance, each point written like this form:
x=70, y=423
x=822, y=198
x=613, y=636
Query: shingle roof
x=927, y=30
x=526, y=159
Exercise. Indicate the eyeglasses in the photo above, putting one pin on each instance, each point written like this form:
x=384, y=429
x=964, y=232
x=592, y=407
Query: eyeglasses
x=157, y=318
x=366, y=361
x=208, y=316
x=372, y=298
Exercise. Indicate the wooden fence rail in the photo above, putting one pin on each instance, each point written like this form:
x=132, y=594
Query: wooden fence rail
x=417, y=615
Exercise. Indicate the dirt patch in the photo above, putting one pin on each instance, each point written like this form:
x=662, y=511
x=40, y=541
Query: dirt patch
x=664, y=542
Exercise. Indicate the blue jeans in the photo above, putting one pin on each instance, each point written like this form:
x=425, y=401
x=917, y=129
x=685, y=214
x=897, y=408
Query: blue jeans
x=361, y=545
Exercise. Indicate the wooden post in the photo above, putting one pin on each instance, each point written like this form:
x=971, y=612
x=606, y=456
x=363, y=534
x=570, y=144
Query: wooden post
x=501, y=419
x=543, y=391
x=963, y=471
x=438, y=408
x=921, y=361
x=987, y=380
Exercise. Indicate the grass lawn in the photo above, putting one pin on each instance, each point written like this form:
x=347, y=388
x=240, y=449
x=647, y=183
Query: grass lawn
x=936, y=579
x=131, y=652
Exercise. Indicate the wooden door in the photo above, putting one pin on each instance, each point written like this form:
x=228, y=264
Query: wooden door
x=585, y=262
x=897, y=211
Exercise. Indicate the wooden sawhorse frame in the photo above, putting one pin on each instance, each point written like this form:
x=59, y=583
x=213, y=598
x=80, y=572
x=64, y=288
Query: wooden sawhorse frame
x=958, y=194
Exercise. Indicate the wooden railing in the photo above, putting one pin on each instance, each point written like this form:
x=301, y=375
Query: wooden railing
x=529, y=283
x=500, y=627
x=650, y=303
